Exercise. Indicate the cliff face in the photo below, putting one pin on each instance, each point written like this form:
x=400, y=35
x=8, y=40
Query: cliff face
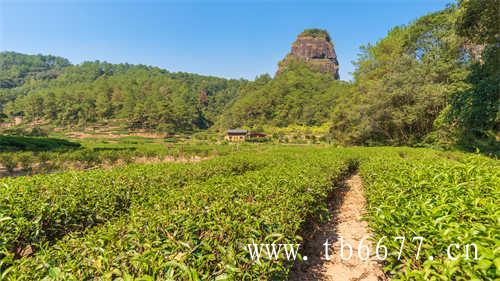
x=314, y=47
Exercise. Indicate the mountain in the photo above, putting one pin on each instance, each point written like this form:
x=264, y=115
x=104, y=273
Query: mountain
x=304, y=91
x=419, y=85
x=142, y=97
x=151, y=98
x=315, y=48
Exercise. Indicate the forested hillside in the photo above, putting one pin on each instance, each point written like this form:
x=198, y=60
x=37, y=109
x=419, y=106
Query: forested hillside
x=403, y=83
x=475, y=111
x=298, y=96
x=145, y=97
x=432, y=81
x=16, y=68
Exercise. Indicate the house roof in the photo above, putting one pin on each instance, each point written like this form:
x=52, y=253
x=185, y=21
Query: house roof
x=236, y=131
x=257, y=134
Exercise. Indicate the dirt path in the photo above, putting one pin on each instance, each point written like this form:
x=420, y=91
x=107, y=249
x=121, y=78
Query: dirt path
x=347, y=208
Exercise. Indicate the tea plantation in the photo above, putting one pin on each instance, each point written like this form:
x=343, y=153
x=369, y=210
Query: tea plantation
x=191, y=221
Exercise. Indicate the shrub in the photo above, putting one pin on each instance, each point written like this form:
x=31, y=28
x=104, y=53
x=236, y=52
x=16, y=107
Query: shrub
x=9, y=162
x=26, y=161
x=44, y=164
x=21, y=143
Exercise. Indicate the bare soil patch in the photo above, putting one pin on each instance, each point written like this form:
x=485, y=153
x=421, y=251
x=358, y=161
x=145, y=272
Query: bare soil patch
x=110, y=135
x=347, y=207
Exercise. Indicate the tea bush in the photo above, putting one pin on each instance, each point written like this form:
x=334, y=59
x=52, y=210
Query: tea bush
x=197, y=232
x=39, y=209
x=192, y=221
x=444, y=199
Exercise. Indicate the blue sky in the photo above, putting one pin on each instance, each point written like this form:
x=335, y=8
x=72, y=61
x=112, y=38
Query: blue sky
x=231, y=39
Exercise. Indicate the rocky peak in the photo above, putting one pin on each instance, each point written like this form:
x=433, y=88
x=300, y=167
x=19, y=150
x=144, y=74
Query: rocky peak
x=314, y=47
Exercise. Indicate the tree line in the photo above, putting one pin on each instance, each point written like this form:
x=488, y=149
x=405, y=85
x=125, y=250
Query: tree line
x=432, y=81
x=144, y=97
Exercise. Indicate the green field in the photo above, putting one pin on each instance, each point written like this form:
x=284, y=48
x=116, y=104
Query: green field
x=191, y=221
x=44, y=155
x=19, y=143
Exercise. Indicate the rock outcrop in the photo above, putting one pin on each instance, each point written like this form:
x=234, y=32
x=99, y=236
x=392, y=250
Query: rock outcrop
x=314, y=47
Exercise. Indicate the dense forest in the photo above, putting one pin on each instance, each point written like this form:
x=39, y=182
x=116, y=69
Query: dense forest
x=432, y=81
x=145, y=97
x=17, y=68
x=298, y=96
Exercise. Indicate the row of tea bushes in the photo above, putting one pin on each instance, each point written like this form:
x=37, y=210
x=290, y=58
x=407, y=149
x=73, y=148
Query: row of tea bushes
x=441, y=197
x=199, y=231
x=28, y=162
x=41, y=209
